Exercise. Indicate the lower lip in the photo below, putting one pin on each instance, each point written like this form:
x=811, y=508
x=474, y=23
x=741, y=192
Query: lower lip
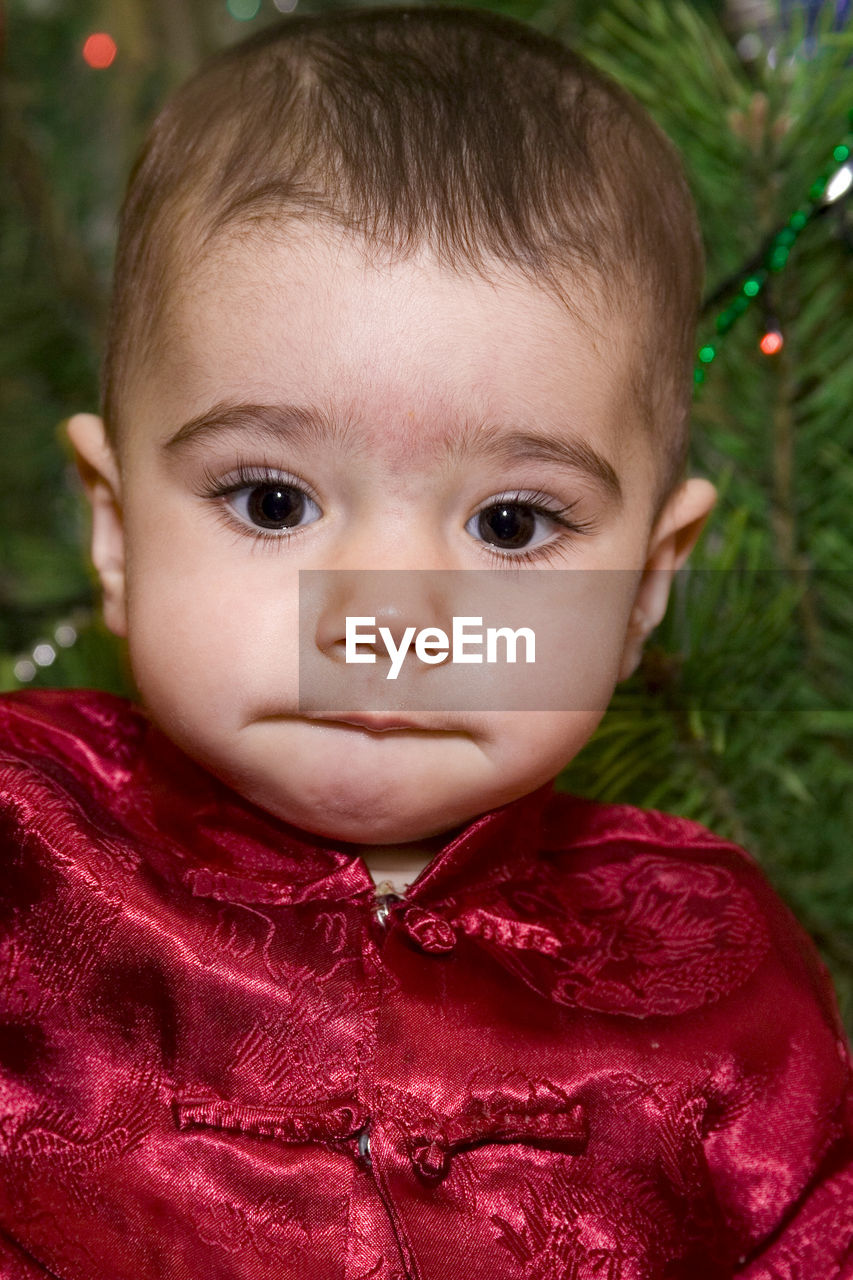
x=387, y=726
x=380, y=726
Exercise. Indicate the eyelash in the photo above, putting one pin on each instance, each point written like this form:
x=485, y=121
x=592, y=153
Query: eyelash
x=249, y=477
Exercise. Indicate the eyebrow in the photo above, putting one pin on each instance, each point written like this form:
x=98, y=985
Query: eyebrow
x=303, y=425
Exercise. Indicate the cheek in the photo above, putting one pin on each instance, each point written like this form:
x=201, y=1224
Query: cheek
x=207, y=626
x=536, y=745
x=579, y=619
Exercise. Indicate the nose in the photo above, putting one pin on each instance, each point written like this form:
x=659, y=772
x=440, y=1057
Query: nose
x=386, y=604
x=405, y=533
x=391, y=580
x=392, y=568
x=361, y=634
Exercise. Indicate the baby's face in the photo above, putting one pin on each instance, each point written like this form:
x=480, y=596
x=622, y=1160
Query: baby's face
x=397, y=375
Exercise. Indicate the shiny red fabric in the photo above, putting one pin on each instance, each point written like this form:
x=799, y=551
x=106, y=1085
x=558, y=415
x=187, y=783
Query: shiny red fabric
x=590, y=1043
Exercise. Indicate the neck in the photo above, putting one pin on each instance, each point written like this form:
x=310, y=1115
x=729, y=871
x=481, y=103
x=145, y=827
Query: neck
x=400, y=865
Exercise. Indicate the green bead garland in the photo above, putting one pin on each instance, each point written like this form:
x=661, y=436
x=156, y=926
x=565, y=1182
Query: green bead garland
x=772, y=260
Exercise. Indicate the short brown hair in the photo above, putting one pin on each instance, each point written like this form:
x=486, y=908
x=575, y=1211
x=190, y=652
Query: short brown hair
x=455, y=128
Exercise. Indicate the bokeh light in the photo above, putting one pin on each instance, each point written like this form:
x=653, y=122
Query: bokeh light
x=44, y=654
x=100, y=50
x=65, y=635
x=243, y=10
x=771, y=342
x=839, y=184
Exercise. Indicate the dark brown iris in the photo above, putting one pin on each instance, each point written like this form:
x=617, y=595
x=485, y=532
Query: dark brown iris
x=507, y=525
x=276, y=506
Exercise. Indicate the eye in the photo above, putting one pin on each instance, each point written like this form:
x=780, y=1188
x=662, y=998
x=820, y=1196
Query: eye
x=272, y=505
x=260, y=501
x=510, y=525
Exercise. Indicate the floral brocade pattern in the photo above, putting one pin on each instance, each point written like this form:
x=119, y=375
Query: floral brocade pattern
x=642, y=935
x=590, y=1042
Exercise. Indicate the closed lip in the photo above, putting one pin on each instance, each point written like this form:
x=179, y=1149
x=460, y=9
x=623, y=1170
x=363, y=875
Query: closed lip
x=376, y=723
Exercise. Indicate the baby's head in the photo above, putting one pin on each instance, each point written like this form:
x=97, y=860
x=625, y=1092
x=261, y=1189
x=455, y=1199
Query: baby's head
x=391, y=287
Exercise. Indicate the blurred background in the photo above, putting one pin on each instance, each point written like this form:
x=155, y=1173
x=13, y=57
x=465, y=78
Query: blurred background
x=741, y=714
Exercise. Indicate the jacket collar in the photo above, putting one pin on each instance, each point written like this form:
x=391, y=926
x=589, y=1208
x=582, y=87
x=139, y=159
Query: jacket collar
x=489, y=848
x=204, y=835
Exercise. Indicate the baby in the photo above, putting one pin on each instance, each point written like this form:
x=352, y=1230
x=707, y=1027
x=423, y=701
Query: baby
x=299, y=992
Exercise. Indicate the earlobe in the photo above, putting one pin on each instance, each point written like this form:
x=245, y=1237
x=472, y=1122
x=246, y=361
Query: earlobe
x=639, y=629
x=673, y=537
x=98, y=468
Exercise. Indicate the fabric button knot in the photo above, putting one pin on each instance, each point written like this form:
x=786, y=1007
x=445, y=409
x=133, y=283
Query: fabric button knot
x=430, y=1157
x=428, y=931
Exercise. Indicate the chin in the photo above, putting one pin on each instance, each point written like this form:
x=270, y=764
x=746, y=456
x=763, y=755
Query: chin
x=363, y=813
x=347, y=784
x=401, y=828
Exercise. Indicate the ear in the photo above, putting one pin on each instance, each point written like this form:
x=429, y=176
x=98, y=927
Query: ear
x=673, y=537
x=99, y=472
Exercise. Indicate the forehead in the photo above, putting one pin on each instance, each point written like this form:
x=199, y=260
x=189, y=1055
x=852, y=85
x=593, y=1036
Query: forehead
x=406, y=356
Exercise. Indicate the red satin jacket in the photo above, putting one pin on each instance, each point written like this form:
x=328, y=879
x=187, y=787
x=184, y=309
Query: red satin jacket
x=590, y=1043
